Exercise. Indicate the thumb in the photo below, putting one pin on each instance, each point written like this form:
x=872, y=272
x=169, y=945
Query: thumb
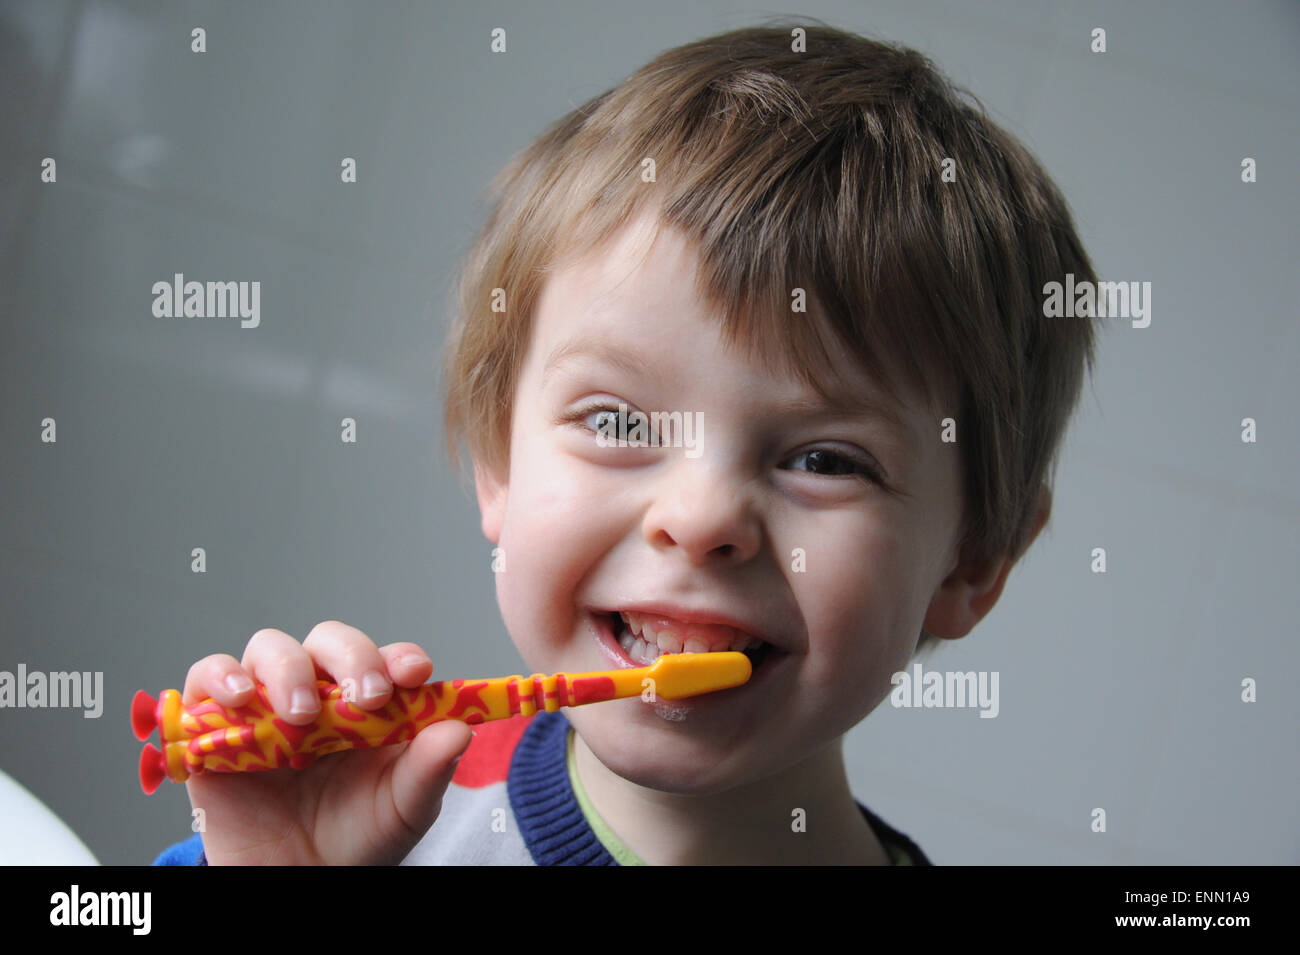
x=421, y=774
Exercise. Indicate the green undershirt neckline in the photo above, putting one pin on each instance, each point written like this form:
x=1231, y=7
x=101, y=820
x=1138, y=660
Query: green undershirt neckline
x=614, y=845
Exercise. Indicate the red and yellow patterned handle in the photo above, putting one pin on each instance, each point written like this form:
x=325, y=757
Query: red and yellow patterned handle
x=209, y=737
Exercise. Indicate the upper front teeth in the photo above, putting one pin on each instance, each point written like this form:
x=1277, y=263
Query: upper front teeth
x=666, y=639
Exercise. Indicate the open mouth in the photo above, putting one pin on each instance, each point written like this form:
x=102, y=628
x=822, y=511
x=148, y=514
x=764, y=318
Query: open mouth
x=646, y=637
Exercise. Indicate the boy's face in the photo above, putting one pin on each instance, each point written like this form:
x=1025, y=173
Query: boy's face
x=585, y=529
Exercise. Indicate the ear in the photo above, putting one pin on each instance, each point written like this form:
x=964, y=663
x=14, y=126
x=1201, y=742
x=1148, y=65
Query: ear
x=973, y=587
x=491, y=501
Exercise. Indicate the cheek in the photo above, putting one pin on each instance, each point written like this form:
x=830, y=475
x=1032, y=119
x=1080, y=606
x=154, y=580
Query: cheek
x=859, y=604
x=560, y=506
x=551, y=537
x=551, y=516
x=540, y=552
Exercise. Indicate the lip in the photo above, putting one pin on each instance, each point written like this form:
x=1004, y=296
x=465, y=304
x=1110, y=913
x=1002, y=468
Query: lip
x=700, y=616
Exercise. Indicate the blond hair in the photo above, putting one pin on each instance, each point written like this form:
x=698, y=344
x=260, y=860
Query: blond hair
x=818, y=170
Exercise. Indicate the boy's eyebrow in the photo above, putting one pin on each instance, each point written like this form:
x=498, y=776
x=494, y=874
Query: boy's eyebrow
x=596, y=348
x=842, y=404
x=845, y=404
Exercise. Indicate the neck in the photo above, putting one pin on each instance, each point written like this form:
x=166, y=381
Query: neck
x=755, y=824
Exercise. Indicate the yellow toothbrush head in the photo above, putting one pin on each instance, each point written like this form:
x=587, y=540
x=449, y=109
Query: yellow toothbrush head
x=679, y=675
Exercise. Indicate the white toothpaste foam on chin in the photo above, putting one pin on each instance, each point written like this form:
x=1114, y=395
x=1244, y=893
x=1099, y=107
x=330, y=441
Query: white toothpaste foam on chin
x=674, y=714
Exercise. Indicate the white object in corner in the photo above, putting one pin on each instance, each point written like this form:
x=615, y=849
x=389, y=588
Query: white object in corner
x=30, y=834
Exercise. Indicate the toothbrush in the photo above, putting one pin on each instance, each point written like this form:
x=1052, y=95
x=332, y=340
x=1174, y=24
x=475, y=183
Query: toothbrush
x=209, y=737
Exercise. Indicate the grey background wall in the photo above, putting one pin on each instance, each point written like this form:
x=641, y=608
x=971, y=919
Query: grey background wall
x=1119, y=690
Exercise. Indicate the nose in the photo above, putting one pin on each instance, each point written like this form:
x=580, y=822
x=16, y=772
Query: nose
x=707, y=514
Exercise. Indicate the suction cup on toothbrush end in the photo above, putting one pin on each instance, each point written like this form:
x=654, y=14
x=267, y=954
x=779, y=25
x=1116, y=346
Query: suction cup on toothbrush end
x=153, y=768
x=144, y=714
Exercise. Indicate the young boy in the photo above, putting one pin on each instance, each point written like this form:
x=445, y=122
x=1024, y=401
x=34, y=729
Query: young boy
x=806, y=248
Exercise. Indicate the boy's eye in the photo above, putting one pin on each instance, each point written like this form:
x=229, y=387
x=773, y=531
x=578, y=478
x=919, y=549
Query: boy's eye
x=594, y=417
x=602, y=415
x=820, y=461
x=830, y=464
x=606, y=418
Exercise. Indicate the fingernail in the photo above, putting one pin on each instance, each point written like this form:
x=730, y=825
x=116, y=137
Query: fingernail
x=373, y=684
x=238, y=683
x=303, y=700
x=413, y=660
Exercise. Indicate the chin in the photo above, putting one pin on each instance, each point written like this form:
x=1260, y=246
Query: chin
x=662, y=761
x=677, y=779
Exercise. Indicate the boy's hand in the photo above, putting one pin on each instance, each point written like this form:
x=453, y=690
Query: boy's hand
x=358, y=807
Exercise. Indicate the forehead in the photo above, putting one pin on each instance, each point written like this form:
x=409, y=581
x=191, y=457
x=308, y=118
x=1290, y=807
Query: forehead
x=645, y=257
x=632, y=304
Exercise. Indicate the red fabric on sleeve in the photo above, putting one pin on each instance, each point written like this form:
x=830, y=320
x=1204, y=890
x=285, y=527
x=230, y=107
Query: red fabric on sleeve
x=487, y=760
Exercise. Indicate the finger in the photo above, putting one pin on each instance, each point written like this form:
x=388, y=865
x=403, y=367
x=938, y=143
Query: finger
x=422, y=773
x=280, y=663
x=354, y=661
x=407, y=664
x=219, y=677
